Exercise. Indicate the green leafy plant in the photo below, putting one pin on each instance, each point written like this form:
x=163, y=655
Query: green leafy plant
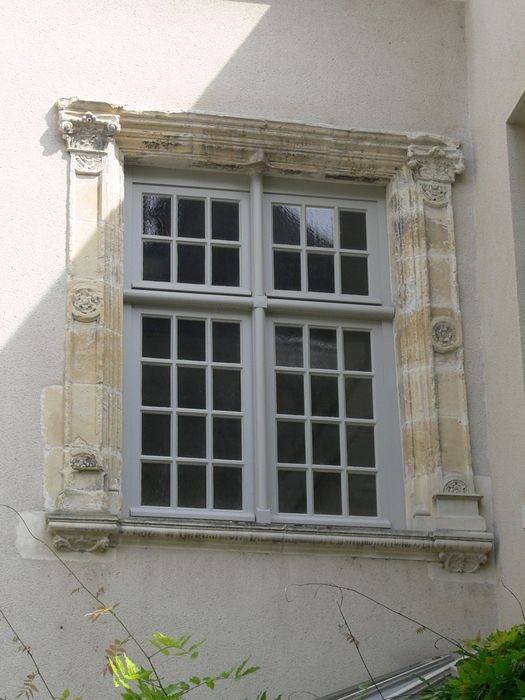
x=494, y=669
x=135, y=682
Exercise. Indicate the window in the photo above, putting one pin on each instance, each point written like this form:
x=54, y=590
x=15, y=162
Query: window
x=193, y=375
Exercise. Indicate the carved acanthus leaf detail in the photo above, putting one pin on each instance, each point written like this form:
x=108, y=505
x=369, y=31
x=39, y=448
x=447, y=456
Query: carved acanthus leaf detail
x=90, y=132
x=86, y=304
x=81, y=543
x=85, y=461
x=88, y=163
x=435, y=163
x=461, y=562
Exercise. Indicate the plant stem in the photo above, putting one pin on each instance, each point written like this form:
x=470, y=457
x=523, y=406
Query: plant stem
x=90, y=593
x=28, y=652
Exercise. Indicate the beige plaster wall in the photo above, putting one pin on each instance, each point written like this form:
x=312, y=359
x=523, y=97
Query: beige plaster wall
x=496, y=60
x=373, y=64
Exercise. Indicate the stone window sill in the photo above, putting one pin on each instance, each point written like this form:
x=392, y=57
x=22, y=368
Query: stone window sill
x=458, y=551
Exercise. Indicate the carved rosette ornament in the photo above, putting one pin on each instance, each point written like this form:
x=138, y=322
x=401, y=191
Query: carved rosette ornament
x=445, y=334
x=455, y=486
x=462, y=562
x=435, y=194
x=85, y=462
x=86, y=304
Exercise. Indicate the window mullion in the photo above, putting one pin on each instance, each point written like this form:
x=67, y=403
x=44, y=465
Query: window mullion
x=262, y=506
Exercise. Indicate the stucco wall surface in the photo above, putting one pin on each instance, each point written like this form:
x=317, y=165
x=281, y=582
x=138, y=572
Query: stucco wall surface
x=386, y=64
x=496, y=60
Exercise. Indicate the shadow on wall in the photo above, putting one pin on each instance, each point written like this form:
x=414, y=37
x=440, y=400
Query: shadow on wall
x=516, y=151
x=350, y=63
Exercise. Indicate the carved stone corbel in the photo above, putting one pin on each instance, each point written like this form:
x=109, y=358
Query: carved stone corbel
x=81, y=543
x=462, y=562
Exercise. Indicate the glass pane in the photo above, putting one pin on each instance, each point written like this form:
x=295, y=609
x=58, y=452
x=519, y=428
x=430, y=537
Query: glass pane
x=156, y=385
x=191, y=340
x=289, y=346
x=191, y=387
x=226, y=342
x=357, y=351
x=360, y=445
x=226, y=390
x=354, y=275
x=287, y=270
x=320, y=227
x=290, y=442
x=190, y=264
x=156, y=337
x=191, y=485
x=325, y=443
x=227, y=438
x=290, y=393
x=325, y=396
x=359, y=402
x=192, y=436
x=292, y=491
x=362, y=498
x=320, y=273
x=353, y=229
x=327, y=493
x=155, y=484
x=225, y=221
x=191, y=218
x=156, y=215
x=156, y=434
x=225, y=266
x=323, y=348
x=286, y=224
x=156, y=263
x=227, y=488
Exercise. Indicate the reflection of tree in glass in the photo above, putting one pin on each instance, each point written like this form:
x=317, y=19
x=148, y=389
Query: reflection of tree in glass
x=156, y=213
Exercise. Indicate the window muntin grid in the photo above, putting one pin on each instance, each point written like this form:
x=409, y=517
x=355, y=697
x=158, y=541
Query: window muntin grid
x=367, y=480
x=325, y=422
x=191, y=238
x=321, y=248
x=193, y=416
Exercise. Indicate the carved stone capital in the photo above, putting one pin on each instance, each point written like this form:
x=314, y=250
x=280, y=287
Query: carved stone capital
x=81, y=543
x=446, y=335
x=462, y=562
x=88, y=132
x=85, y=462
x=85, y=303
x=436, y=164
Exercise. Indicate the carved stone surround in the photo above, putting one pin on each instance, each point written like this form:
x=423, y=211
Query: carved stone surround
x=418, y=171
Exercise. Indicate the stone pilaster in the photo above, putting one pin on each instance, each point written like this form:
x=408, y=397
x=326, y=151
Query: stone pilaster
x=436, y=441
x=92, y=383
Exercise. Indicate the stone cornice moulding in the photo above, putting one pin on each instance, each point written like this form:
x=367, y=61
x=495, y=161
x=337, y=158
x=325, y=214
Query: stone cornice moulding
x=456, y=551
x=207, y=140
x=418, y=171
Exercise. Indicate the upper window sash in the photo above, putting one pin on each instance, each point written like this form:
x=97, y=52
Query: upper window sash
x=325, y=248
x=188, y=239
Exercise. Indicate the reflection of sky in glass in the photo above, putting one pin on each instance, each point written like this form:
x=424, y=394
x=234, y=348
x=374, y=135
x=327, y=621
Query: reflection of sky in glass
x=286, y=224
x=320, y=227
